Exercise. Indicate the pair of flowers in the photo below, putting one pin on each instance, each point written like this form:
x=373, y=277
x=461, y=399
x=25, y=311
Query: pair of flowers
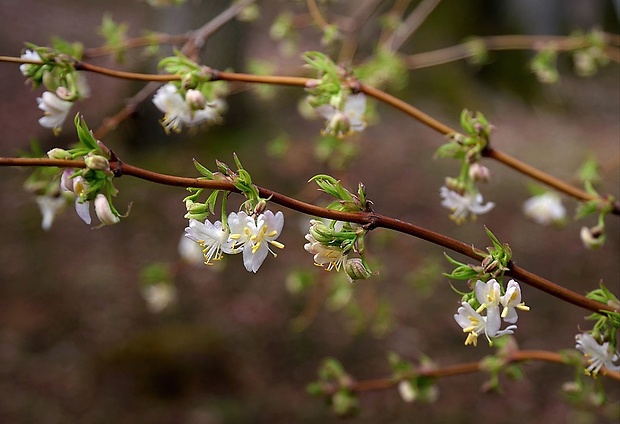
x=190, y=108
x=79, y=186
x=489, y=297
x=242, y=233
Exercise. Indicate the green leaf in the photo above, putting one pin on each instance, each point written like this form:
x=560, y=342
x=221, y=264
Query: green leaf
x=203, y=170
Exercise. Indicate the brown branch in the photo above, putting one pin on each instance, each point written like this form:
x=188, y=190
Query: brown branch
x=458, y=369
x=506, y=42
x=370, y=220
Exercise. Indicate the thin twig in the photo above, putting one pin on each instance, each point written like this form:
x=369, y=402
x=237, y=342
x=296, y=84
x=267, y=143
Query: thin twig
x=456, y=370
x=412, y=23
x=368, y=219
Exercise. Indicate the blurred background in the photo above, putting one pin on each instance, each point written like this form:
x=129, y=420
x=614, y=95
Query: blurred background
x=78, y=342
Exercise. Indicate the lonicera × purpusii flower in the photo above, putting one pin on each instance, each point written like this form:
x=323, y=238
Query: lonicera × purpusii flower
x=26, y=68
x=475, y=324
x=328, y=257
x=545, y=209
x=212, y=238
x=104, y=211
x=263, y=232
x=598, y=355
x=78, y=186
x=179, y=111
x=342, y=123
x=462, y=205
x=50, y=206
x=511, y=301
x=55, y=110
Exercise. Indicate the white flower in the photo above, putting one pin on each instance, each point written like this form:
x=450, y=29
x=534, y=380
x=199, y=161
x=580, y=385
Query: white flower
x=545, y=209
x=475, y=324
x=331, y=256
x=211, y=237
x=49, y=206
x=263, y=232
x=462, y=205
x=341, y=123
x=592, y=238
x=104, y=210
x=55, y=110
x=25, y=67
x=179, y=112
x=159, y=296
x=78, y=186
x=598, y=355
x=239, y=231
x=488, y=294
x=511, y=301
x=406, y=391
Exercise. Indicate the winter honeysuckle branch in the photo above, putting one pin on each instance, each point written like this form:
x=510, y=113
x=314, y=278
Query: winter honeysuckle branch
x=401, y=105
x=380, y=95
x=471, y=48
x=455, y=370
x=368, y=220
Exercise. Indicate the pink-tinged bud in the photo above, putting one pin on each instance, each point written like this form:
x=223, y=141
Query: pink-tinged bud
x=63, y=93
x=479, y=173
x=313, y=83
x=104, y=211
x=195, y=99
x=66, y=182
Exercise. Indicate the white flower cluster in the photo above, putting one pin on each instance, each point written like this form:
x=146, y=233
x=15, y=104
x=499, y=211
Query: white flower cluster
x=489, y=296
x=597, y=354
x=251, y=235
x=79, y=186
x=191, y=110
x=349, y=119
x=55, y=105
x=329, y=257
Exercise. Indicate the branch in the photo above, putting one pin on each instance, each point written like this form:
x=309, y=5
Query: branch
x=370, y=220
x=507, y=42
x=458, y=369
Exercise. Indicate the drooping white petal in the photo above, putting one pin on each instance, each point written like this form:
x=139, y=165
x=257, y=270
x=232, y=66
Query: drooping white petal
x=55, y=110
x=49, y=206
x=83, y=210
x=103, y=210
x=30, y=55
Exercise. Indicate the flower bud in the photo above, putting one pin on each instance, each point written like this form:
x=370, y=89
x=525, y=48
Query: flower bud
x=104, y=211
x=63, y=93
x=195, y=99
x=320, y=232
x=592, y=238
x=479, y=173
x=356, y=269
x=407, y=391
x=57, y=153
x=260, y=207
x=97, y=163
